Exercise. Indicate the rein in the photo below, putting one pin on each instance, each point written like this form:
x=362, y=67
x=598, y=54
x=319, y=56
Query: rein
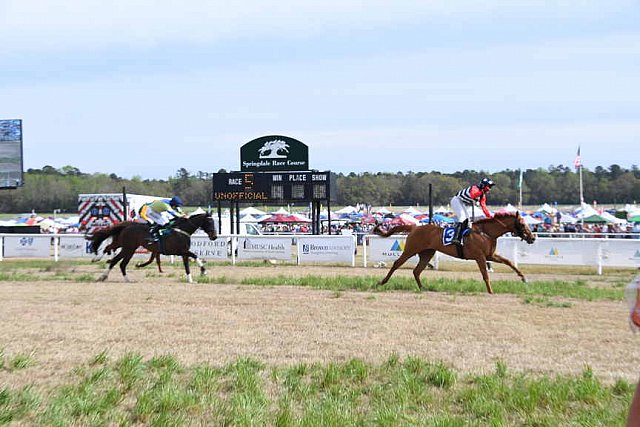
x=181, y=231
x=518, y=227
x=186, y=233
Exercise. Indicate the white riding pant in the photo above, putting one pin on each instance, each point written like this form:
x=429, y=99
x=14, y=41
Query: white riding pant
x=460, y=208
x=157, y=218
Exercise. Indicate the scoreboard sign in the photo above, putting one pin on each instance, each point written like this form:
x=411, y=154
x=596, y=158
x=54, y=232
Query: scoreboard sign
x=273, y=186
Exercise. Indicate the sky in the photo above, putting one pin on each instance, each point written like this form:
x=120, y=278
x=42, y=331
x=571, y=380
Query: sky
x=144, y=88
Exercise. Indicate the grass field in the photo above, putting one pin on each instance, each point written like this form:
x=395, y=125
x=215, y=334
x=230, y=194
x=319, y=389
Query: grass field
x=259, y=344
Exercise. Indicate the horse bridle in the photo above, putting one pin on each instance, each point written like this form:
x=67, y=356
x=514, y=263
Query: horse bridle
x=187, y=219
x=518, y=226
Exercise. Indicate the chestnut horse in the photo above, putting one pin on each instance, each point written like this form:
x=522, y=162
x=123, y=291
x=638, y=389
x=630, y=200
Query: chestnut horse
x=132, y=235
x=479, y=244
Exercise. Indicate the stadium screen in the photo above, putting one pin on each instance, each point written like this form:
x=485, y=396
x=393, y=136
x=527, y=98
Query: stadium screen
x=11, y=169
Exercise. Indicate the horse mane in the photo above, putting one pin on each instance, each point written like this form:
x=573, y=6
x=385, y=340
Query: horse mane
x=497, y=215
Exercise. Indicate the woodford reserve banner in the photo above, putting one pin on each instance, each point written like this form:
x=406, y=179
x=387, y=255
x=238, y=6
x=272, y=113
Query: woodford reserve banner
x=274, y=153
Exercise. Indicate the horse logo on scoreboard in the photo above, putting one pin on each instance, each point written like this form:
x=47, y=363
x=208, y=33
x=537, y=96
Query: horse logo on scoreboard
x=273, y=148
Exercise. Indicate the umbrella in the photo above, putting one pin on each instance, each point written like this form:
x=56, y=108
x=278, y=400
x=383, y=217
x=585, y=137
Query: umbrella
x=403, y=219
x=299, y=218
x=285, y=218
x=442, y=218
x=368, y=219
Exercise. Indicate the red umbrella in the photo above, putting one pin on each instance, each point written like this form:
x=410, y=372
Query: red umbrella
x=403, y=220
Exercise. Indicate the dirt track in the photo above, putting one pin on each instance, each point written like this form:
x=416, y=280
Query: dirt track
x=64, y=324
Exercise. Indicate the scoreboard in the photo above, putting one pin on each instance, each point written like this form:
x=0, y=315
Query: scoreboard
x=273, y=186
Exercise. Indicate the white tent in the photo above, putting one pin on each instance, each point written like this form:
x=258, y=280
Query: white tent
x=586, y=211
x=546, y=208
x=412, y=211
x=441, y=209
x=325, y=214
x=347, y=210
x=510, y=208
x=249, y=218
x=381, y=210
x=252, y=211
x=281, y=211
x=611, y=218
x=530, y=220
x=567, y=219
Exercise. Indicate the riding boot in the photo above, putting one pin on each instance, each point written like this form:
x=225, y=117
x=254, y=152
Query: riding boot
x=459, y=231
x=154, y=233
x=457, y=234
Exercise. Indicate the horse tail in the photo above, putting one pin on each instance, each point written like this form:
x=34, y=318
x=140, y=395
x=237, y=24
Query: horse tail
x=97, y=237
x=393, y=230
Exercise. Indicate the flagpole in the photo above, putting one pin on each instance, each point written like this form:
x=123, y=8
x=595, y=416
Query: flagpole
x=581, y=193
x=578, y=164
x=581, y=200
x=520, y=199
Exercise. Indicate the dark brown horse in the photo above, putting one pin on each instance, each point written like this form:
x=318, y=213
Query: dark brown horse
x=479, y=244
x=133, y=235
x=103, y=234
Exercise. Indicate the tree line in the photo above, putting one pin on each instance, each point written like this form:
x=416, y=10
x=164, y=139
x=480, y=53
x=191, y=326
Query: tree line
x=51, y=188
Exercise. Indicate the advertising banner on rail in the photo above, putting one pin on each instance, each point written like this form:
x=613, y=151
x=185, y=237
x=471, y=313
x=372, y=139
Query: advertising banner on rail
x=27, y=247
x=209, y=249
x=387, y=249
x=264, y=247
x=326, y=248
x=74, y=247
x=621, y=252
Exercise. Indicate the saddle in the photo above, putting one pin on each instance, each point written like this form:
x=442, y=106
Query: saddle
x=159, y=232
x=449, y=232
x=447, y=239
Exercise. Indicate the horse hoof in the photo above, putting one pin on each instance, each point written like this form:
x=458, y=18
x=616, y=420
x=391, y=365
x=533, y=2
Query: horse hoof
x=524, y=280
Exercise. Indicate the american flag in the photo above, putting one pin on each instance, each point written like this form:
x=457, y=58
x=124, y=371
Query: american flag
x=578, y=161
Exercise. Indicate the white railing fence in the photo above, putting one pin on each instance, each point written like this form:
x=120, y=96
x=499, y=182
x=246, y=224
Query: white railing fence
x=306, y=249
